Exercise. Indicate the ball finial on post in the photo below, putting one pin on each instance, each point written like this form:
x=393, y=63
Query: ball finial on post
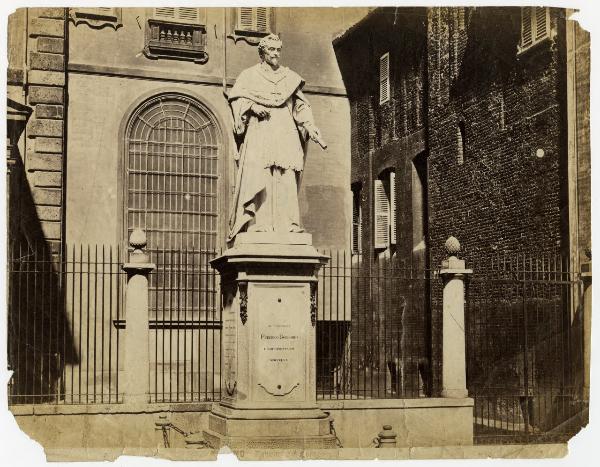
x=452, y=246
x=137, y=240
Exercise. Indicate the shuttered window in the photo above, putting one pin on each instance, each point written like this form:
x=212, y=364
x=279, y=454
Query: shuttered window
x=183, y=15
x=385, y=210
x=393, y=208
x=382, y=215
x=535, y=26
x=99, y=11
x=356, y=220
x=384, y=78
x=254, y=19
x=98, y=17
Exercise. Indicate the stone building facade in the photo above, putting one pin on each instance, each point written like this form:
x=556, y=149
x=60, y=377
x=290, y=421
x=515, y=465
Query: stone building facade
x=87, y=74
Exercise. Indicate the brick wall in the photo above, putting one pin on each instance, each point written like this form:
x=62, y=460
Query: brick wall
x=389, y=320
x=46, y=93
x=490, y=120
x=467, y=73
x=503, y=197
x=498, y=184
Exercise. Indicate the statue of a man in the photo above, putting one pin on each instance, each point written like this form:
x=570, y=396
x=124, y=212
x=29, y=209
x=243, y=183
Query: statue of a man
x=272, y=121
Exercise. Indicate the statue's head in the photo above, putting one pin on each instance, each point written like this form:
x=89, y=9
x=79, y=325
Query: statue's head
x=269, y=49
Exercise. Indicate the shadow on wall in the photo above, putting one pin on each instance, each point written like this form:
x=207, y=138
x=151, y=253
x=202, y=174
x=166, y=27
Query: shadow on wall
x=40, y=343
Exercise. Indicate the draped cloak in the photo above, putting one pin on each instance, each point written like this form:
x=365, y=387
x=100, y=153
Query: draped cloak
x=277, y=141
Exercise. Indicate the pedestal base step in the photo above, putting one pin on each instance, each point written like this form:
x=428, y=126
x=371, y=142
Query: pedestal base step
x=216, y=441
x=269, y=433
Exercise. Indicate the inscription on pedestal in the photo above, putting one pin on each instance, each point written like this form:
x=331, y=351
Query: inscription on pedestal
x=281, y=342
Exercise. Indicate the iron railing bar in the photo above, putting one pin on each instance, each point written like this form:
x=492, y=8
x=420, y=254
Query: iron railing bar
x=95, y=314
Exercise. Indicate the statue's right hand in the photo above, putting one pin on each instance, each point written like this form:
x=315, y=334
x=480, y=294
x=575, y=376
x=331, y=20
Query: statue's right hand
x=260, y=111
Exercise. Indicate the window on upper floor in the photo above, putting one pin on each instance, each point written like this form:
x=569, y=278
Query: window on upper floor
x=257, y=20
x=384, y=195
x=535, y=26
x=384, y=78
x=176, y=33
x=181, y=15
x=356, y=239
x=97, y=18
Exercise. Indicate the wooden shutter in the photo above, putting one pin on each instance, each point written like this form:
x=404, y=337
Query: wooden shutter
x=461, y=18
x=262, y=19
x=190, y=15
x=245, y=17
x=384, y=78
x=164, y=12
x=526, y=30
x=382, y=215
x=356, y=221
x=541, y=23
x=254, y=19
x=187, y=15
x=393, y=207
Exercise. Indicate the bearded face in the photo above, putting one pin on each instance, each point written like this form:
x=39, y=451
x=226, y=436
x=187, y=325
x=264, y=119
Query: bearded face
x=269, y=50
x=272, y=54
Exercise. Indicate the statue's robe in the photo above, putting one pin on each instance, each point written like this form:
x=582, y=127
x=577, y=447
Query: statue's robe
x=275, y=142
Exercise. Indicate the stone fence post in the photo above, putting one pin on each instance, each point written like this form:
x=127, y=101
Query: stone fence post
x=137, y=357
x=586, y=276
x=453, y=273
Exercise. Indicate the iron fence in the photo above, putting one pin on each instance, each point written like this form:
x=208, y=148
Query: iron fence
x=524, y=348
x=375, y=336
x=62, y=344
x=185, y=327
x=373, y=329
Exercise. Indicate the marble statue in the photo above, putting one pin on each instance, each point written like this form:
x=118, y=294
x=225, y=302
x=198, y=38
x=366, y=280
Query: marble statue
x=272, y=122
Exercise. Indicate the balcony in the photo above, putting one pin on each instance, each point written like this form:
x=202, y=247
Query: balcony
x=174, y=40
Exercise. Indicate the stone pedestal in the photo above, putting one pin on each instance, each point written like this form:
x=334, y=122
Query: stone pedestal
x=136, y=361
x=454, y=369
x=268, y=393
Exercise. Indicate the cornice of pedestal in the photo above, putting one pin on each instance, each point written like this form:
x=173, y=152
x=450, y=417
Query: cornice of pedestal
x=271, y=250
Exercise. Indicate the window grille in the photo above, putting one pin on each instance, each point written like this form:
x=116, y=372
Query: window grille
x=535, y=26
x=356, y=221
x=384, y=78
x=171, y=184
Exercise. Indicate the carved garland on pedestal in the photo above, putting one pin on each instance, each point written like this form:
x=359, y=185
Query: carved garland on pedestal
x=313, y=303
x=243, y=290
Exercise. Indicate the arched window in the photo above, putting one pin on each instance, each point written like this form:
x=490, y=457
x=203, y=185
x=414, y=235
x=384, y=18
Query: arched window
x=171, y=180
x=171, y=192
